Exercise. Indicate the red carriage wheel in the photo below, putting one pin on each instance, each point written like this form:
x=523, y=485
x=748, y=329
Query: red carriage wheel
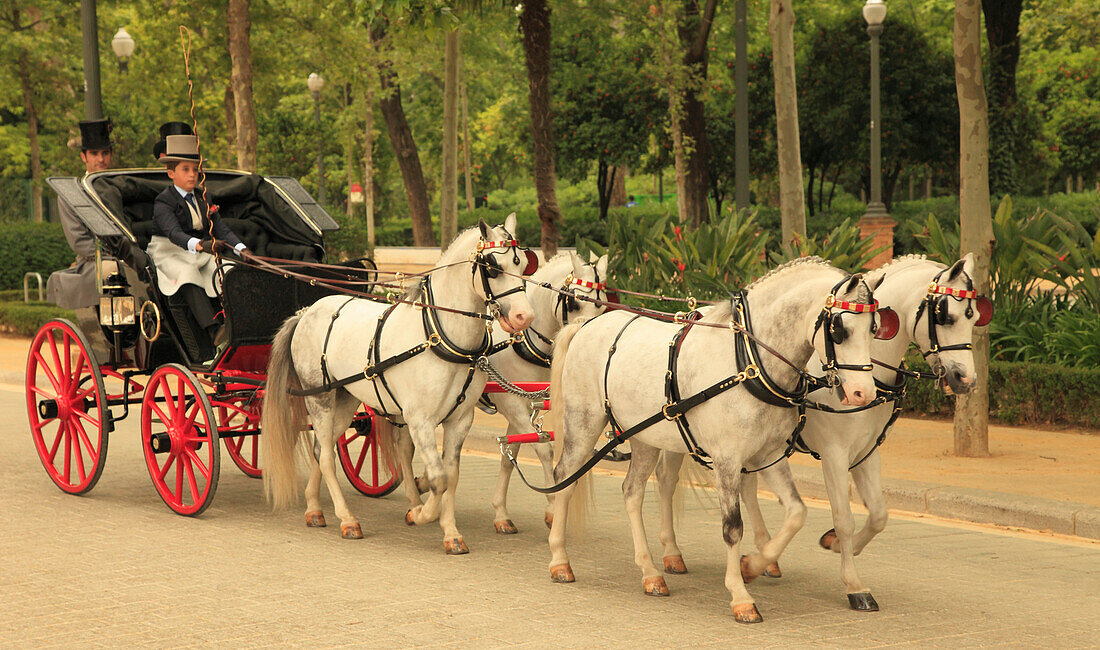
x=67, y=406
x=239, y=423
x=180, y=440
x=363, y=461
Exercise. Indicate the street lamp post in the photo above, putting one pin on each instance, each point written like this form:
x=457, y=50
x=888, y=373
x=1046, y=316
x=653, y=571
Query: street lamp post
x=316, y=82
x=876, y=222
x=123, y=45
x=93, y=100
x=874, y=12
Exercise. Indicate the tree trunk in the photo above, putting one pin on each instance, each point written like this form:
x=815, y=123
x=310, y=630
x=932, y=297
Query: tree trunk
x=25, y=75
x=605, y=184
x=368, y=165
x=976, y=225
x=534, y=25
x=349, y=151
x=618, y=188
x=404, y=148
x=448, y=210
x=1002, y=30
x=240, y=52
x=694, y=33
x=229, y=107
x=466, y=143
x=792, y=205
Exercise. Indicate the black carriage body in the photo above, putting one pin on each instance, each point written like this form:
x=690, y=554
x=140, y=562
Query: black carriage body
x=274, y=216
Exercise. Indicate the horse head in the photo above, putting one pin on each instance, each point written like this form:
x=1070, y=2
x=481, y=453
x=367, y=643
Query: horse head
x=945, y=321
x=841, y=337
x=499, y=265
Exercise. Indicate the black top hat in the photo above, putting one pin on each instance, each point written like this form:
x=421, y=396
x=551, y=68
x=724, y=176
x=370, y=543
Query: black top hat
x=95, y=134
x=175, y=128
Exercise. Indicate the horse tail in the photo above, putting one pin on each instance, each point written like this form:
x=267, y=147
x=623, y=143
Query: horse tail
x=282, y=421
x=557, y=367
x=581, y=499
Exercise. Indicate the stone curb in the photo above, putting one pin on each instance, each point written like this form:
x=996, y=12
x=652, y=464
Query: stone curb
x=969, y=504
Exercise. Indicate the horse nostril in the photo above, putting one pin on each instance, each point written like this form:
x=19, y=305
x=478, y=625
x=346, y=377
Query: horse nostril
x=858, y=395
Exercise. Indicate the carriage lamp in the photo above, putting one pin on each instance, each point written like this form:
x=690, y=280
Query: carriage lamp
x=874, y=12
x=316, y=82
x=117, y=311
x=123, y=45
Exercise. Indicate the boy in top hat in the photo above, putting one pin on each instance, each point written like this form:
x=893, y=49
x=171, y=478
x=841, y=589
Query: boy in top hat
x=167, y=129
x=184, y=223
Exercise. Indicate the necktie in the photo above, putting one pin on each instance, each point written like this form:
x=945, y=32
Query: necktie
x=196, y=220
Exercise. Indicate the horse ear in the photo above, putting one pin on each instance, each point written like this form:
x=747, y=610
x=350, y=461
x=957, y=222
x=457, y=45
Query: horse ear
x=484, y=229
x=592, y=257
x=968, y=264
x=601, y=267
x=853, y=282
x=578, y=265
x=510, y=223
x=955, y=270
x=876, y=282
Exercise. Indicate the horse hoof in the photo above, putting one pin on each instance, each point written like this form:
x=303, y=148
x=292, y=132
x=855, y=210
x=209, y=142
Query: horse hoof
x=655, y=586
x=315, y=519
x=549, y=519
x=828, y=539
x=505, y=527
x=863, y=602
x=410, y=519
x=455, y=546
x=675, y=564
x=773, y=571
x=747, y=613
x=747, y=575
x=562, y=573
x=351, y=531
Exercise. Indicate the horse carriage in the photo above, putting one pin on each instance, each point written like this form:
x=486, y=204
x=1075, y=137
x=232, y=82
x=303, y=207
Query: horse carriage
x=142, y=349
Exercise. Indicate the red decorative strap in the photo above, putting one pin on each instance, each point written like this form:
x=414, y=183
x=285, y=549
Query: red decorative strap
x=958, y=293
x=506, y=243
x=598, y=286
x=857, y=307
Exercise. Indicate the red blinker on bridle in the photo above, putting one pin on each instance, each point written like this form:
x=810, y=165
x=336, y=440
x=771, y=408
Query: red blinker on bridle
x=532, y=259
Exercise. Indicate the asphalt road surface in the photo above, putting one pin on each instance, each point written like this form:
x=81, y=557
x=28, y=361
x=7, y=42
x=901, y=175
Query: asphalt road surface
x=117, y=568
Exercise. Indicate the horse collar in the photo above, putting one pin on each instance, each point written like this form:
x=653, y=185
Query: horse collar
x=444, y=347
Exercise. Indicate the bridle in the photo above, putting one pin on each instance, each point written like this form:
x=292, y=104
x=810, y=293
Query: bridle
x=567, y=297
x=491, y=269
x=830, y=323
x=566, y=304
x=935, y=304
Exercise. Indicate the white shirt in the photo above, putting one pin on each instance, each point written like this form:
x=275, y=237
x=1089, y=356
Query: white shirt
x=195, y=240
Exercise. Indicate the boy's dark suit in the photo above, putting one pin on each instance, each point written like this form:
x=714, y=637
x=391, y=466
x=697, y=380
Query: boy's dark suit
x=173, y=219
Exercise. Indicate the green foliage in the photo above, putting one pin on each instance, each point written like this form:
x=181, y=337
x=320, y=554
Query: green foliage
x=649, y=254
x=1019, y=393
x=842, y=246
x=24, y=318
x=26, y=247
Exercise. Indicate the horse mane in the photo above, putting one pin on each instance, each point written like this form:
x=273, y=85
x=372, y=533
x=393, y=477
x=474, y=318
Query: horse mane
x=722, y=312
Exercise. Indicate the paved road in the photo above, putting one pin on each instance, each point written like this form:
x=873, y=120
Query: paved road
x=116, y=568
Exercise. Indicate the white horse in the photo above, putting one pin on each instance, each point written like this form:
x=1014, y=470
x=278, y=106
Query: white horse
x=617, y=368
x=340, y=337
x=848, y=442
x=528, y=359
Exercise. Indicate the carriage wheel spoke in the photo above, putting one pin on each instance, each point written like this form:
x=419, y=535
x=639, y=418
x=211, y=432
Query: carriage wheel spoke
x=191, y=483
x=167, y=464
x=348, y=439
x=189, y=423
x=362, y=457
x=79, y=455
x=180, y=403
x=179, y=478
x=74, y=378
x=68, y=354
x=374, y=462
x=90, y=419
x=56, y=442
x=83, y=435
x=68, y=453
x=57, y=363
x=160, y=413
x=38, y=391
x=198, y=461
x=49, y=375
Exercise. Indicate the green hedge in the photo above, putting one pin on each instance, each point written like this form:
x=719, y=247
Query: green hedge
x=24, y=318
x=1020, y=393
x=26, y=247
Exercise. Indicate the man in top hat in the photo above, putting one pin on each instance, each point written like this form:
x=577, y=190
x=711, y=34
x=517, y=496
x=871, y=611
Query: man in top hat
x=183, y=247
x=74, y=288
x=167, y=129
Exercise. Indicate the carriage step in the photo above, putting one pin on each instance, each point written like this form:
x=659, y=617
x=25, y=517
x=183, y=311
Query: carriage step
x=545, y=436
